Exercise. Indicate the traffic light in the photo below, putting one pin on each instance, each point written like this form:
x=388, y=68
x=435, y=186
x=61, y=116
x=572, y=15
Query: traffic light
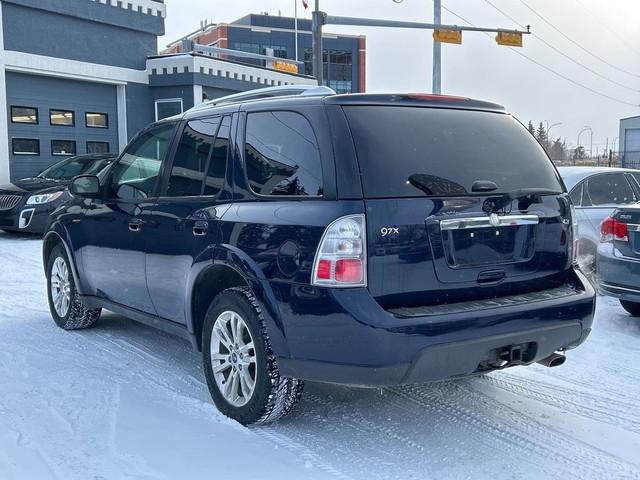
x=509, y=39
x=448, y=36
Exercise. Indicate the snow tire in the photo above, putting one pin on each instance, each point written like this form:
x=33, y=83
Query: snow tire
x=262, y=397
x=66, y=306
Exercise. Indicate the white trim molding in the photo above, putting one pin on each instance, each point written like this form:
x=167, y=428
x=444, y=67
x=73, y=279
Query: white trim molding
x=64, y=68
x=148, y=7
x=185, y=63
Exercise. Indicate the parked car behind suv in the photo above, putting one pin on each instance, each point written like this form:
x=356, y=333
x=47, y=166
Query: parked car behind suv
x=595, y=193
x=366, y=240
x=618, y=257
x=25, y=204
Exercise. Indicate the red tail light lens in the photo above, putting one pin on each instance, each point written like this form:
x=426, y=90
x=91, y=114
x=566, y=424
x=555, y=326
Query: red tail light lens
x=349, y=270
x=613, y=230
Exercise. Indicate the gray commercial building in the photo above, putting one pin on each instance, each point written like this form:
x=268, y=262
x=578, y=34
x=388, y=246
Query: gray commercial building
x=630, y=142
x=82, y=76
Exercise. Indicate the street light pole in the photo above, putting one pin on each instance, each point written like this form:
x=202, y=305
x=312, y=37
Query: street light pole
x=316, y=27
x=578, y=145
x=549, y=128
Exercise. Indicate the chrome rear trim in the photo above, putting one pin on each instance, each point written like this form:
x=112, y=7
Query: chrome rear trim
x=491, y=221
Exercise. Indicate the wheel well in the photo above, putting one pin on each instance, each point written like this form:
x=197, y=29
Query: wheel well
x=49, y=243
x=586, y=247
x=209, y=284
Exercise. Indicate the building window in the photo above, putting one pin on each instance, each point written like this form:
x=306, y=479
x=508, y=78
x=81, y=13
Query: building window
x=97, y=147
x=99, y=120
x=24, y=114
x=62, y=117
x=63, y=147
x=168, y=107
x=279, y=51
x=25, y=146
x=337, y=72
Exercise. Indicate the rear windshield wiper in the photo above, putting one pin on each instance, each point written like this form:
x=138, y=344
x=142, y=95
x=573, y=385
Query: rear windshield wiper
x=525, y=196
x=434, y=185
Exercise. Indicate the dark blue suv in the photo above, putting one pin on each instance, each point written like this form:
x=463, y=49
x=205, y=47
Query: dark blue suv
x=366, y=240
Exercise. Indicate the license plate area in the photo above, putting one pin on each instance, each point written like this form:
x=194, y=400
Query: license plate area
x=491, y=240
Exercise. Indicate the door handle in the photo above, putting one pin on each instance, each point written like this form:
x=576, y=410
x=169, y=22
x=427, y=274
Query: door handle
x=200, y=228
x=135, y=224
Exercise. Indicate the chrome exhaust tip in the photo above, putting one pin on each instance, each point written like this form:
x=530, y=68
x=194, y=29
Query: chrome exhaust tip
x=553, y=360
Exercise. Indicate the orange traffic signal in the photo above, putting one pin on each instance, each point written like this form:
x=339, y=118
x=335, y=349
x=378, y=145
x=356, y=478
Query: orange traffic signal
x=509, y=39
x=448, y=36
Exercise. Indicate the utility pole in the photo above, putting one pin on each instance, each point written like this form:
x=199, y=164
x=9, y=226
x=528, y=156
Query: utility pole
x=437, y=50
x=316, y=26
x=442, y=33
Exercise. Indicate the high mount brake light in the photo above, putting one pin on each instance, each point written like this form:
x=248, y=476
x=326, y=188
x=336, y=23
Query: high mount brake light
x=444, y=98
x=341, y=257
x=612, y=229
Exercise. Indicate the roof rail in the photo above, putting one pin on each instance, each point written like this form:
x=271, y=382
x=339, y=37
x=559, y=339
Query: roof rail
x=269, y=92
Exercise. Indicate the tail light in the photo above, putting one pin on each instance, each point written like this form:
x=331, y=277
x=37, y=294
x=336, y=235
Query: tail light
x=574, y=232
x=341, y=257
x=612, y=229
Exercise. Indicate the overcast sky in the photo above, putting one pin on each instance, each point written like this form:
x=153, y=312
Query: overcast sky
x=579, y=68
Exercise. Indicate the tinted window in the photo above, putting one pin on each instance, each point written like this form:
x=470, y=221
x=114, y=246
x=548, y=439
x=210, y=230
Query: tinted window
x=218, y=161
x=67, y=169
x=190, y=160
x=576, y=195
x=282, y=155
x=136, y=173
x=62, y=117
x=448, y=150
x=25, y=146
x=63, y=147
x=100, y=120
x=24, y=114
x=97, y=147
x=609, y=189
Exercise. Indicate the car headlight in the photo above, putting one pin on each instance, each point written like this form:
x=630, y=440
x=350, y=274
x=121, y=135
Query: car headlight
x=43, y=198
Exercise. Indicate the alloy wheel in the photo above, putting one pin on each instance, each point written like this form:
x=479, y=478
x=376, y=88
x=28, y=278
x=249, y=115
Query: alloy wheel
x=233, y=358
x=60, y=287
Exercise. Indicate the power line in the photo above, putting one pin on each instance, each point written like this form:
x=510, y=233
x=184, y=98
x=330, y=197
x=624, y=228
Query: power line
x=549, y=69
x=576, y=43
x=607, y=27
x=567, y=56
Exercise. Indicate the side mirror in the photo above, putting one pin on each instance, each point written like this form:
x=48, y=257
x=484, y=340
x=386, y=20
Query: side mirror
x=85, y=186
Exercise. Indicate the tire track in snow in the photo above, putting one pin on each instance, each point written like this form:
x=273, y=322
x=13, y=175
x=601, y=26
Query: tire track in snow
x=601, y=407
x=512, y=428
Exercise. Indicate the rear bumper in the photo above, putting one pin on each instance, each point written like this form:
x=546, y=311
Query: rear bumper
x=618, y=275
x=437, y=361
x=343, y=336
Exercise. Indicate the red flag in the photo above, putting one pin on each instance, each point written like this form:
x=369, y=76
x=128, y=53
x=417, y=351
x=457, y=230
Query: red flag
x=305, y=4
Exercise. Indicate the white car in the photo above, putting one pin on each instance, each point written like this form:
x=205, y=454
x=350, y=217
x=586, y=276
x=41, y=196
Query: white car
x=595, y=193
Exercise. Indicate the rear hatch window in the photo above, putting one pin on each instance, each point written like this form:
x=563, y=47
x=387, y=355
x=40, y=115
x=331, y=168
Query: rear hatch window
x=460, y=205
x=446, y=150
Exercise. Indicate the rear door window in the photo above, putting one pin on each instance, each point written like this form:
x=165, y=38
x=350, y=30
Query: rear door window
x=191, y=157
x=282, y=155
x=576, y=195
x=609, y=189
x=446, y=150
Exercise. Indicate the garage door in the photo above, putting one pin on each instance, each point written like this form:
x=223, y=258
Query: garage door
x=632, y=147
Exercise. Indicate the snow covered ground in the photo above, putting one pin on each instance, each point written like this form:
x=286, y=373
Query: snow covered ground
x=124, y=401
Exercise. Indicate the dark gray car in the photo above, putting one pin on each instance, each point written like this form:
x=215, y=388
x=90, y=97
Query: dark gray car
x=618, y=257
x=595, y=193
